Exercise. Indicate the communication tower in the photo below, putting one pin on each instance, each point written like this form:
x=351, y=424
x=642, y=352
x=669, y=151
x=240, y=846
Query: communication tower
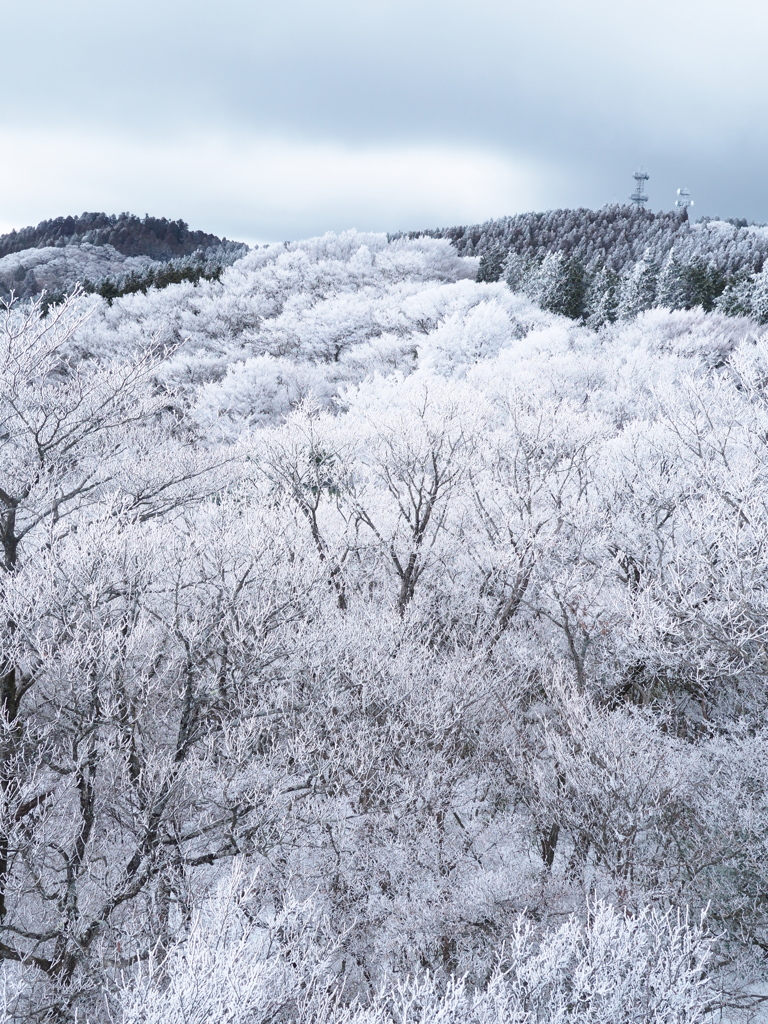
x=683, y=200
x=638, y=197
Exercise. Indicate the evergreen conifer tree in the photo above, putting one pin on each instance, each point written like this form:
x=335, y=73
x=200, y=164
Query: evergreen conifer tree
x=491, y=264
x=637, y=291
x=759, y=298
x=602, y=296
x=736, y=297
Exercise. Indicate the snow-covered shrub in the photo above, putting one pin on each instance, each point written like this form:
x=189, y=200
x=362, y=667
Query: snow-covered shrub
x=650, y=968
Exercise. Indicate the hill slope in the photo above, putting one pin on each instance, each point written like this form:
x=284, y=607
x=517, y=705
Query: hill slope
x=107, y=253
x=156, y=237
x=607, y=264
x=368, y=630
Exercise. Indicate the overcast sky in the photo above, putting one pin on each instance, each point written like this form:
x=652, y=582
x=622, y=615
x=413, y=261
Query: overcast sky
x=269, y=121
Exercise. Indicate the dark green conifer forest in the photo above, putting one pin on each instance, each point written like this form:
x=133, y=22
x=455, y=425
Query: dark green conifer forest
x=606, y=264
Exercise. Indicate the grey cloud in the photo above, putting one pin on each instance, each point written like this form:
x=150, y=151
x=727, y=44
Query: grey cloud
x=592, y=88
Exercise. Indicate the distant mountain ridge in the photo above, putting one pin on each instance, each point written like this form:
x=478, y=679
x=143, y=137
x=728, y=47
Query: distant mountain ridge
x=109, y=254
x=156, y=237
x=613, y=233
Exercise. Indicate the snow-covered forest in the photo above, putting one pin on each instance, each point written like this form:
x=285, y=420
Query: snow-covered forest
x=107, y=254
x=379, y=646
x=612, y=263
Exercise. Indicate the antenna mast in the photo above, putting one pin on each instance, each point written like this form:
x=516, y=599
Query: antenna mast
x=638, y=197
x=683, y=200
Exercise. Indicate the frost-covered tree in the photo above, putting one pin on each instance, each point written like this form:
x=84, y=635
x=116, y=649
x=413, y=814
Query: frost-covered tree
x=379, y=645
x=638, y=289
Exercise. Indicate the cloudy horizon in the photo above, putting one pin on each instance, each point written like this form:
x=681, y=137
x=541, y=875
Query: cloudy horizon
x=264, y=122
